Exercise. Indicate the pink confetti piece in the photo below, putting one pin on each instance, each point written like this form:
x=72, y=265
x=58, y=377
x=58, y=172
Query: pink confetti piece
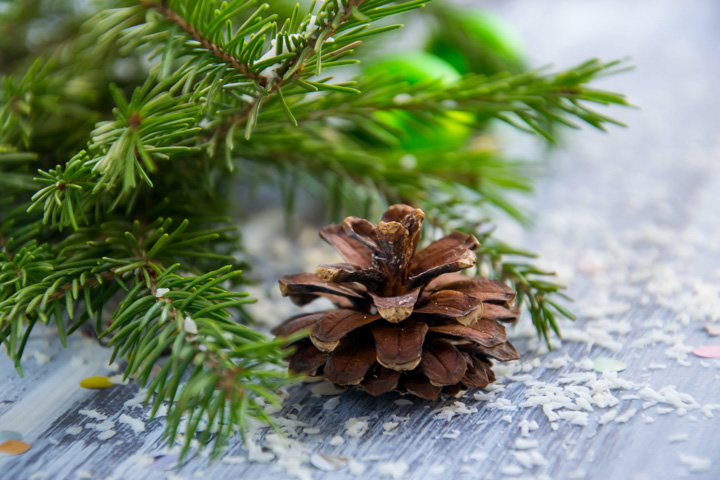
x=707, y=351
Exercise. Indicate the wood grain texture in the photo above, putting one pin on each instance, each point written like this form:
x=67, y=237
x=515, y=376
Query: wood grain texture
x=650, y=193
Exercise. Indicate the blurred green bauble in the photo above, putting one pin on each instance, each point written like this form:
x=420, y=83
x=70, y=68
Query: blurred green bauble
x=441, y=132
x=477, y=41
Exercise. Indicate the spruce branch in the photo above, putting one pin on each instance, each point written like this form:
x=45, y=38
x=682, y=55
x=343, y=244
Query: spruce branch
x=206, y=43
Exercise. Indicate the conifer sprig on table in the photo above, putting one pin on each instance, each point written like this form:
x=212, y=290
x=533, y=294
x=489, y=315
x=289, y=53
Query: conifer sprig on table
x=95, y=181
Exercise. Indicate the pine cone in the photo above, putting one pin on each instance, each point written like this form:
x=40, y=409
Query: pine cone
x=405, y=320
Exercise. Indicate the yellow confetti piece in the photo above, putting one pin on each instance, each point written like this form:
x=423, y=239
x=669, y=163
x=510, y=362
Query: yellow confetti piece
x=96, y=382
x=14, y=447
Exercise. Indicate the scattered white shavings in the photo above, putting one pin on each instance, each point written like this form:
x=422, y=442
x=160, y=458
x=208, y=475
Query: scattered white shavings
x=106, y=434
x=586, y=364
x=678, y=437
x=119, y=380
x=233, y=459
x=527, y=426
x=453, y=434
x=501, y=404
x=696, y=464
x=529, y=458
x=356, y=468
x=608, y=416
x=160, y=292
x=390, y=426
x=478, y=456
x=356, y=427
x=559, y=362
x=657, y=366
x=325, y=388
x=311, y=431
x=512, y=470
x=328, y=463
x=337, y=440
x=574, y=417
x=40, y=357
x=142, y=460
x=393, y=470
x=449, y=411
x=713, y=330
x=401, y=402
x=102, y=426
x=626, y=415
x=436, y=470
x=77, y=361
x=73, y=430
x=93, y=414
x=331, y=404
x=506, y=418
x=136, y=424
x=190, y=326
x=484, y=396
x=137, y=400
x=525, y=444
x=256, y=453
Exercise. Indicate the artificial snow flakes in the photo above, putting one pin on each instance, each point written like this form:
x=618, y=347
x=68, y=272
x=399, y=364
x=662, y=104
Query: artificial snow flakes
x=190, y=326
x=695, y=464
x=328, y=463
x=356, y=427
x=137, y=425
x=394, y=470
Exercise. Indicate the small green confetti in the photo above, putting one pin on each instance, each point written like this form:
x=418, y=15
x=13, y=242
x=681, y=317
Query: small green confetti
x=605, y=364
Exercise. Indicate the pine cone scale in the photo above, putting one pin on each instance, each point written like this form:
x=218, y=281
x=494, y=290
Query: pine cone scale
x=405, y=320
x=442, y=363
x=399, y=348
x=327, y=332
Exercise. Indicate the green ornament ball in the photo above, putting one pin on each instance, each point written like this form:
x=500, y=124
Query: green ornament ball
x=442, y=133
x=477, y=41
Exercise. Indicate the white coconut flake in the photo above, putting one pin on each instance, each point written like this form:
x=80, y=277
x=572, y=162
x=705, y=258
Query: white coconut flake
x=449, y=411
x=328, y=463
x=106, y=434
x=73, y=430
x=102, y=426
x=40, y=357
x=325, y=388
x=136, y=424
x=160, y=292
x=393, y=470
x=512, y=470
x=190, y=326
x=559, y=362
x=331, y=404
x=695, y=463
x=526, y=427
x=356, y=468
x=93, y=414
x=626, y=415
x=337, y=440
x=390, y=426
x=525, y=444
x=678, y=437
x=356, y=427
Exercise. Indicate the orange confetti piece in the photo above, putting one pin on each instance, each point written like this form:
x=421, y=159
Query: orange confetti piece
x=14, y=447
x=96, y=382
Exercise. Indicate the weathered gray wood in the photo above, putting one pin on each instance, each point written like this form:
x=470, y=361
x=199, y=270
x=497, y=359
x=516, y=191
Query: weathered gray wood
x=616, y=213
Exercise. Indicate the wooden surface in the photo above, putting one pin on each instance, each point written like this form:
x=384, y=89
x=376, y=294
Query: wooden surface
x=631, y=220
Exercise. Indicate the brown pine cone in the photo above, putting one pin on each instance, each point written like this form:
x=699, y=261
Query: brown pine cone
x=405, y=320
